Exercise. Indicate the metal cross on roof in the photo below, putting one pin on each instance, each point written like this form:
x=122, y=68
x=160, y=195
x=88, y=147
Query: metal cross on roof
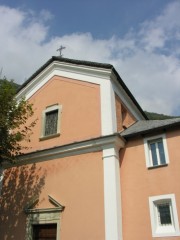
x=60, y=50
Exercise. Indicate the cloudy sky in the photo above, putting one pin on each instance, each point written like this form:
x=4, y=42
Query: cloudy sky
x=140, y=38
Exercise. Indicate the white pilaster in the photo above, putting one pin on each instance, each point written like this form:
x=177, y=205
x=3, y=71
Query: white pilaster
x=108, y=110
x=112, y=193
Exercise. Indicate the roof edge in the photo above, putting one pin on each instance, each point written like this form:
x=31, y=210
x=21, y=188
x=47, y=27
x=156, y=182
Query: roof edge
x=129, y=93
x=86, y=63
x=65, y=60
x=151, y=130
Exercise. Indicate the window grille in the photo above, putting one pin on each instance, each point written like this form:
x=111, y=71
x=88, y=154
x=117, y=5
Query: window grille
x=51, y=123
x=164, y=214
x=164, y=217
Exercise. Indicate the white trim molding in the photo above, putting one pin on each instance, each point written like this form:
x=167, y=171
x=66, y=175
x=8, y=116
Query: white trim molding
x=71, y=149
x=67, y=70
x=112, y=192
x=126, y=100
x=168, y=229
x=108, y=110
x=96, y=75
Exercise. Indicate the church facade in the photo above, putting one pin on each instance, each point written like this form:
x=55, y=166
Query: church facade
x=96, y=167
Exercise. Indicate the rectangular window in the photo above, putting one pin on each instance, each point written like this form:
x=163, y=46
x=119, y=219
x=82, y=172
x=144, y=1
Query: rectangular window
x=51, y=119
x=44, y=232
x=51, y=122
x=156, y=151
x=157, y=154
x=163, y=213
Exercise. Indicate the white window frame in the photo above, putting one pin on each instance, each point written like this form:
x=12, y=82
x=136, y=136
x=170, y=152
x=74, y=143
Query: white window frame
x=50, y=109
x=147, y=141
x=159, y=230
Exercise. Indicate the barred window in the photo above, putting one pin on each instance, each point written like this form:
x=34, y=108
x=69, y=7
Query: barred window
x=51, y=123
x=164, y=213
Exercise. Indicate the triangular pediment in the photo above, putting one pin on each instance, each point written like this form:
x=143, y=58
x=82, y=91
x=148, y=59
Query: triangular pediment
x=31, y=206
x=74, y=69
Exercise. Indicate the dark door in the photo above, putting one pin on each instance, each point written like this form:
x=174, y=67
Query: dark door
x=44, y=232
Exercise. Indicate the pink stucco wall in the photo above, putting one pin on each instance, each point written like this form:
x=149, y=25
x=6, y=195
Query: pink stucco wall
x=75, y=182
x=80, y=118
x=123, y=117
x=138, y=183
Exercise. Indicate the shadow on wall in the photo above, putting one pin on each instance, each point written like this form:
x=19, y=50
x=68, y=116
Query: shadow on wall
x=20, y=185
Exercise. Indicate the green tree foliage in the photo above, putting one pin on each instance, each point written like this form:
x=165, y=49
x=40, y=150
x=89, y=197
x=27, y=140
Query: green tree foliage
x=157, y=116
x=13, y=117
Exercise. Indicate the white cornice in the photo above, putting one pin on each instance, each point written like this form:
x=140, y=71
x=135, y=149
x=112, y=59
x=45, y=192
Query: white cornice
x=77, y=148
x=85, y=70
x=63, y=69
x=104, y=77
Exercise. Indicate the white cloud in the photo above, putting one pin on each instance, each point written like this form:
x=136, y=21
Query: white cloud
x=147, y=59
x=163, y=29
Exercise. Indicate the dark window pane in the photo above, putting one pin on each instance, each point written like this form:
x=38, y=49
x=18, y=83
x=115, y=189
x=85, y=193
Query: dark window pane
x=161, y=152
x=44, y=232
x=164, y=213
x=51, y=123
x=153, y=154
